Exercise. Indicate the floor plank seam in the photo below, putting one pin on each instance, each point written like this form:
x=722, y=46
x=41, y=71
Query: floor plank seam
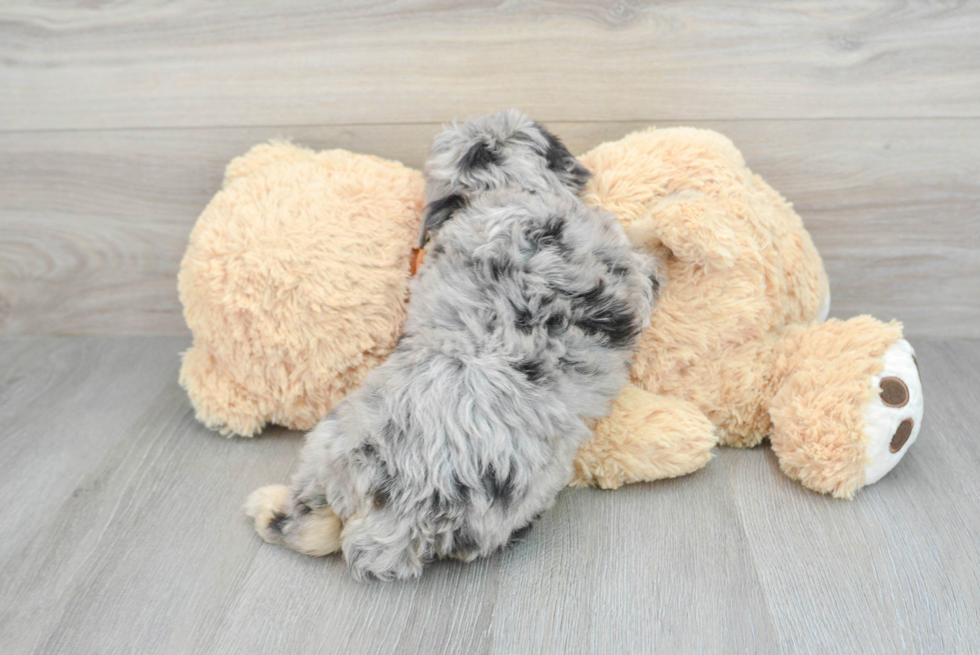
x=751, y=553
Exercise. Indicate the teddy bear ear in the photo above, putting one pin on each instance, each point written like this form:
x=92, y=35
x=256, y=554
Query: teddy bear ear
x=691, y=227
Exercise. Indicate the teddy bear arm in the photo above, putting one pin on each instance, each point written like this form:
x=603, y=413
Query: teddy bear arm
x=690, y=229
x=645, y=437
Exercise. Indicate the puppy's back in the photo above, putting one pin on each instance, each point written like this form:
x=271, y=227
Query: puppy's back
x=520, y=329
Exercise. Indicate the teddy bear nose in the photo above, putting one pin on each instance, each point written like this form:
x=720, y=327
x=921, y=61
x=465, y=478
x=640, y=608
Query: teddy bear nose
x=901, y=435
x=894, y=393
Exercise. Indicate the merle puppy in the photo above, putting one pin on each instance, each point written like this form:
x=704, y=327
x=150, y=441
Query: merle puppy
x=520, y=330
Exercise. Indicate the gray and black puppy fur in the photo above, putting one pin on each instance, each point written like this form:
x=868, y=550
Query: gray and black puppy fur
x=520, y=329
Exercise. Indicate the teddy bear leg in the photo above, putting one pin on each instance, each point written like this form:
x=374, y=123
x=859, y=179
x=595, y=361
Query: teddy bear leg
x=894, y=415
x=851, y=406
x=646, y=437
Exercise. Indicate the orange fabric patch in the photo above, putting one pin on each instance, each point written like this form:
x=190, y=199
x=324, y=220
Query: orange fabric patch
x=418, y=256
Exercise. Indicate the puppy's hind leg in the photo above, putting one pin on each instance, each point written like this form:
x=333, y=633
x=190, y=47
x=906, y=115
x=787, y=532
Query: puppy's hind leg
x=382, y=545
x=281, y=518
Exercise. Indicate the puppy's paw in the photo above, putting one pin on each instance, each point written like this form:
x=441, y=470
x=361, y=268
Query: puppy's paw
x=317, y=531
x=313, y=531
x=269, y=507
x=893, y=417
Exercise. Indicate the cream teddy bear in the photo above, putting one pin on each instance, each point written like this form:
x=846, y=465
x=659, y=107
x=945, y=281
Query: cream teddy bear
x=740, y=335
x=295, y=284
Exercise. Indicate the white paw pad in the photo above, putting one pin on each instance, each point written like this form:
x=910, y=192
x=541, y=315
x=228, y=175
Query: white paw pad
x=893, y=417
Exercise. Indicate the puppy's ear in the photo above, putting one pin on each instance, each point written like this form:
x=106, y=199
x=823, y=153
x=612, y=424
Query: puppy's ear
x=563, y=163
x=479, y=157
x=438, y=212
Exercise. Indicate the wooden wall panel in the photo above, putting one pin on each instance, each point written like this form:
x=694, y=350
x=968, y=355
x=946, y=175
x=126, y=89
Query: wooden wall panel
x=93, y=224
x=116, y=120
x=163, y=64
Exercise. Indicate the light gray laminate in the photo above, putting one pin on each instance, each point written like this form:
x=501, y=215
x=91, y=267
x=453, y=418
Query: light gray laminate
x=62, y=401
x=141, y=545
x=898, y=568
x=660, y=567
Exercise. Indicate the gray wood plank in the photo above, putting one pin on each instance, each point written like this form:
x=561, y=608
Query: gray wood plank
x=145, y=559
x=154, y=556
x=93, y=224
x=61, y=402
x=15, y=353
x=897, y=569
x=146, y=550
x=660, y=567
x=151, y=553
x=302, y=62
x=313, y=606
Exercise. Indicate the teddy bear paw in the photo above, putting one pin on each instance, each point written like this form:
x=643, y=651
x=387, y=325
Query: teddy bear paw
x=893, y=417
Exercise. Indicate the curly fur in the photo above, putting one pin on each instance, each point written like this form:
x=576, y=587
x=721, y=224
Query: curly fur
x=520, y=330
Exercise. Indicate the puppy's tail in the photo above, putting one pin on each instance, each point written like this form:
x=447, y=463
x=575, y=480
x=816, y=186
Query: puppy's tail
x=281, y=519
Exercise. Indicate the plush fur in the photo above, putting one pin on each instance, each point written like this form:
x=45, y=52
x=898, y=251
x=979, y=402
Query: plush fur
x=737, y=348
x=738, y=332
x=520, y=330
x=298, y=247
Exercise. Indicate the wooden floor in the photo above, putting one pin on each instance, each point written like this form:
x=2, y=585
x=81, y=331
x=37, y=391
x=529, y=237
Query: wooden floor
x=121, y=524
x=122, y=533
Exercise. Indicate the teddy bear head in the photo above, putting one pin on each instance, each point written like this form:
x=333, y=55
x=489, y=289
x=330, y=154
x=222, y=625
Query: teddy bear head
x=295, y=283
